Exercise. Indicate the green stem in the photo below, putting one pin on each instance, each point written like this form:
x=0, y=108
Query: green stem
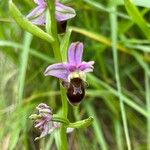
x=64, y=102
x=62, y=136
x=58, y=118
x=53, y=30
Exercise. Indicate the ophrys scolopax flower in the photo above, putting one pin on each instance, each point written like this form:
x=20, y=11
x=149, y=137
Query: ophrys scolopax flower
x=73, y=72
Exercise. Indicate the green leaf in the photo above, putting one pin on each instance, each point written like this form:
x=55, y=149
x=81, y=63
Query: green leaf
x=82, y=123
x=137, y=18
x=27, y=25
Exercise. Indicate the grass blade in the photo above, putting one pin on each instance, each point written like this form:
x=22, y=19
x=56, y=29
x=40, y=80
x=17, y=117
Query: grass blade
x=32, y=51
x=113, y=22
x=118, y=132
x=97, y=127
x=23, y=64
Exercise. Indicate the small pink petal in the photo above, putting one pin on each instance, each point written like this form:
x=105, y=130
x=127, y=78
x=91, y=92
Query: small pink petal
x=37, y=15
x=40, y=123
x=36, y=12
x=58, y=70
x=42, y=105
x=63, y=12
x=40, y=2
x=88, y=70
x=45, y=131
x=85, y=66
x=39, y=21
x=75, y=53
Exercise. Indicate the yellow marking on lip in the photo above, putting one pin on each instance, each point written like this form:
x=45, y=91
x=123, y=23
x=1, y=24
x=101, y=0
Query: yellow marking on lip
x=77, y=74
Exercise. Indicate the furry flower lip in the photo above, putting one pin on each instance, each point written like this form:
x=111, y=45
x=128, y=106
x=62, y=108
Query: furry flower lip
x=72, y=73
x=38, y=14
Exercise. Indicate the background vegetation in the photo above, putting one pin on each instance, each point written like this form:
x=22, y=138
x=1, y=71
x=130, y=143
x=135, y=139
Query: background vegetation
x=116, y=36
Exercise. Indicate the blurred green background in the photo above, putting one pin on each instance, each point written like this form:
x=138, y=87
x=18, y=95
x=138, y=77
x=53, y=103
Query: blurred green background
x=105, y=27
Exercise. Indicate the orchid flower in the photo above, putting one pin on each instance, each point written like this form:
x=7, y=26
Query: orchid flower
x=44, y=122
x=38, y=14
x=74, y=68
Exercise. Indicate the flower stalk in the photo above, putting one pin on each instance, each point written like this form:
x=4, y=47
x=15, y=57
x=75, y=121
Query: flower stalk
x=53, y=30
x=56, y=49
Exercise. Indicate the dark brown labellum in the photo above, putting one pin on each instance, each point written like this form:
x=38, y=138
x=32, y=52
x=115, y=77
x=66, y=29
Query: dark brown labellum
x=76, y=91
